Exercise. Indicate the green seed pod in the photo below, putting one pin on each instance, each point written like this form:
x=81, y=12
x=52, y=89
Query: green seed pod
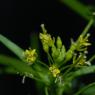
x=70, y=52
x=69, y=55
x=55, y=52
x=46, y=47
x=61, y=56
x=63, y=52
x=59, y=42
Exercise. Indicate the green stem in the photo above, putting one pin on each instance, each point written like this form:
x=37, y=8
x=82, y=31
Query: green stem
x=84, y=88
x=50, y=59
x=69, y=69
x=92, y=58
x=46, y=91
x=42, y=63
x=63, y=68
x=86, y=29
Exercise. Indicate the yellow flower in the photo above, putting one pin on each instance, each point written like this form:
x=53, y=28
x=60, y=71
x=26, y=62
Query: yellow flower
x=46, y=39
x=82, y=61
x=30, y=55
x=54, y=70
x=83, y=42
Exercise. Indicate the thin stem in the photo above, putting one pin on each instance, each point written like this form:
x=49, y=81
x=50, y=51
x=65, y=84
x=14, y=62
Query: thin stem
x=92, y=58
x=69, y=69
x=46, y=91
x=72, y=65
x=42, y=63
x=84, y=88
x=86, y=29
x=63, y=68
x=50, y=58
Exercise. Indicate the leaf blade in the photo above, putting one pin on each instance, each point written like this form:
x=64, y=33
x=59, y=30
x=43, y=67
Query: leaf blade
x=12, y=46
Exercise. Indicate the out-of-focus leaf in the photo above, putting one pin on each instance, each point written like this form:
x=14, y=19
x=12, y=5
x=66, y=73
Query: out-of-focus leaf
x=12, y=46
x=83, y=71
x=79, y=8
x=25, y=69
x=90, y=88
x=8, y=70
x=18, y=65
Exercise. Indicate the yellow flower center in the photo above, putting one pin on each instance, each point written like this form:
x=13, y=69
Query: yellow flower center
x=30, y=55
x=54, y=70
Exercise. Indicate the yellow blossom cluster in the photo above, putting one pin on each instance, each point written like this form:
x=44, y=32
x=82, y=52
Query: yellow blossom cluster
x=54, y=70
x=30, y=55
x=83, y=42
x=46, y=39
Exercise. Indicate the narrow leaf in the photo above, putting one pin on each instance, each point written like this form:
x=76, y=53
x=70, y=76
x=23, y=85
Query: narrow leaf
x=25, y=69
x=85, y=88
x=12, y=46
x=83, y=71
x=20, y=66
x=79, y=8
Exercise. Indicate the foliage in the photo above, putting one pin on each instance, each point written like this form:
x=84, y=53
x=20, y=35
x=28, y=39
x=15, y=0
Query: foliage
x=83, y=10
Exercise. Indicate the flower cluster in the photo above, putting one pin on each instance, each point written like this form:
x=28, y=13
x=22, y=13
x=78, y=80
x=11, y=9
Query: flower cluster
x=30, y=55
x=83, y=43
x=80, y=59
x=54, y=70
x=58, y=51
x=80, y=46
x=46, y=39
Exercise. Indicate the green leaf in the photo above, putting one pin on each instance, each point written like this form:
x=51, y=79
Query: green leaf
x=90, y=90
x=19, y=66
x=87, y=88
x=15, y=63
x=79, y=8
x=7, y=70
x=83, y=71
x=25, y=69
x=12, y=46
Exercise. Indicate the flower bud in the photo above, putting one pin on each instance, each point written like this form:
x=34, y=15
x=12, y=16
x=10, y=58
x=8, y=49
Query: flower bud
x=61, y=56
x=46, y=47
x=59, y=42
x=55, y=52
